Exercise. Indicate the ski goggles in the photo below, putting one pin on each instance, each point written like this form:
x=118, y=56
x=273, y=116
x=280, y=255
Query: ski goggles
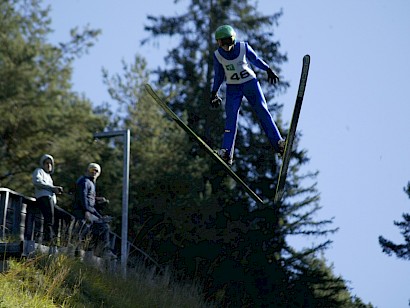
x=226, y=41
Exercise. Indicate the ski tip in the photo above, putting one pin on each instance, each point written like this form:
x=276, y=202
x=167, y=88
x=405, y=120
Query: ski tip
x=306, y=59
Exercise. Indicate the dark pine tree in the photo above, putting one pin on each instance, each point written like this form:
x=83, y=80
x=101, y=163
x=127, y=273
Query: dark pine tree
x=401, y=251
x=241, y=251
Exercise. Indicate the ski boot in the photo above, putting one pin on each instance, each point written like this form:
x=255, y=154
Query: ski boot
x=223, y=153
x=281, y=147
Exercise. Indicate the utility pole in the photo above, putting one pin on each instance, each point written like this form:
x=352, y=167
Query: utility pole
x=125, y=191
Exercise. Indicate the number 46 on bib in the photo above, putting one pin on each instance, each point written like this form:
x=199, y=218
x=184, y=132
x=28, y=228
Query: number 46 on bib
x=240, y=76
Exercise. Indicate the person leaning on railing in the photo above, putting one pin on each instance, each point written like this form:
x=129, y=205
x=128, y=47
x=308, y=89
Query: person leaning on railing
x=45, y=192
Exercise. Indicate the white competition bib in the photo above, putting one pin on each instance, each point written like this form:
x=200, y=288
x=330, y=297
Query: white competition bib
x=237, y=71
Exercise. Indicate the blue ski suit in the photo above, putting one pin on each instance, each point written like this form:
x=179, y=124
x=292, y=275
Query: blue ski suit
x=233, y=67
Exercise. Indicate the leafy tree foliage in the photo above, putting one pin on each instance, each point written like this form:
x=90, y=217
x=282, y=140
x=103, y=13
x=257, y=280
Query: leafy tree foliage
x=401, y=251
x=40, y=112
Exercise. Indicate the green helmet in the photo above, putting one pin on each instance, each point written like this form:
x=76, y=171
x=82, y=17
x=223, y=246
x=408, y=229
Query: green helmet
x=225, y=31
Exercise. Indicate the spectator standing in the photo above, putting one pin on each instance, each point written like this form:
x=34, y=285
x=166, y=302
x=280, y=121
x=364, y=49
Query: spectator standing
x=45, y=192
x=91, y=220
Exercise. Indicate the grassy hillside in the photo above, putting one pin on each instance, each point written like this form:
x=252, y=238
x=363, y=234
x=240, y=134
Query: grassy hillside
x=61, y=281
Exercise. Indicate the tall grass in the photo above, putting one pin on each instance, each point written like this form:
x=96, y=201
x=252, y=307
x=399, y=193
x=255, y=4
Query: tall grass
x=62, y=281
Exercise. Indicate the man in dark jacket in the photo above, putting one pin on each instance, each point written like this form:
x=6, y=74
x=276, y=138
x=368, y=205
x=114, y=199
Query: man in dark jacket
x=87, y=215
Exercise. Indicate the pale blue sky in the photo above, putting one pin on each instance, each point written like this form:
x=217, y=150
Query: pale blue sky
x=354, y=119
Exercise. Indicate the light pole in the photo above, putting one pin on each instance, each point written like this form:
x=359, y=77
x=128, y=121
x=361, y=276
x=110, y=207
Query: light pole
x=125, y=188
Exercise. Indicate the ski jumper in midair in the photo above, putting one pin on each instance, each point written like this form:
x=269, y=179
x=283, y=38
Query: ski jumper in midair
x=231, y=63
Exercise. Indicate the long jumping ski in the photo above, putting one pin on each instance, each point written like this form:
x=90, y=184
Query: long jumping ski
x=203, y=144
x=292, y=131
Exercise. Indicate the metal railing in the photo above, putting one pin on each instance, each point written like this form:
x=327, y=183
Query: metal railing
x=21, y=220
x=13, y=210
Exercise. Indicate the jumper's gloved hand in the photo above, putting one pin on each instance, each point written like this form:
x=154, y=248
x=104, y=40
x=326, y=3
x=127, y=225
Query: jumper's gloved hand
x=272, y=77
x=215, y=100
